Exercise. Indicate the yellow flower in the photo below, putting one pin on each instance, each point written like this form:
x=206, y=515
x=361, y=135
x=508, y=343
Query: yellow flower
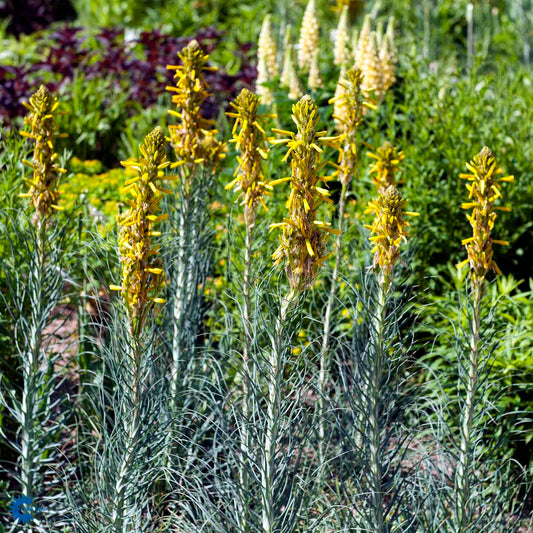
x=43, y=190
x=484, y=190
x=249, y=137
x=142, y=273
x=348, y=114
x=309, y=36
x=388, y=230
x=388, y=159
x=303, y=238
x=193, y=138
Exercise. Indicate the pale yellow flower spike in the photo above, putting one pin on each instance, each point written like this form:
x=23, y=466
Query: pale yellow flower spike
x=315, y=77
x=341, y=52
x=309, y=36
x=368, y=62
x=267, y=49
x=262, y=78
x=484, y=190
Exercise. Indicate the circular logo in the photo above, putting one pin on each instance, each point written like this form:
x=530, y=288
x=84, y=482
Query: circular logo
x=20, y=509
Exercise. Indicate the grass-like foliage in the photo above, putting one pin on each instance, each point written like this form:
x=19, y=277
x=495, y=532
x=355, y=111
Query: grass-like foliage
x=267, y=312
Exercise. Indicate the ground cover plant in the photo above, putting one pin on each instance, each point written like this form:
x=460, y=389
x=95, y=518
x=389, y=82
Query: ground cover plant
x=270, y=276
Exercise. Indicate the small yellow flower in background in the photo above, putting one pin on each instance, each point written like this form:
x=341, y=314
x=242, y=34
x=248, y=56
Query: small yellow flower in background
x=194, y=137
x=341, y=51
x=315, y=77
x=250, y=139
x=43, y=191
x=367, y=60
x=142, y=275
x=484, y=188
x=303, y=238
x=388, y=159
x=389, y=230
x=267, y=49
x=309, y=36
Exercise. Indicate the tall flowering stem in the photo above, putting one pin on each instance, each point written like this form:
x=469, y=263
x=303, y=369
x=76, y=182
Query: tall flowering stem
x=388, y=230
x=250, y=139
x=43, y=289
x=142, y=275
x=302, y=249
x=43, y=191
x=198, y=153
x=484, y=191
x=350, y=101
x=194, y=137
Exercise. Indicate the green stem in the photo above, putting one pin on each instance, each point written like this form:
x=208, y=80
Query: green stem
x=275, y=379
x=375, y=397
x=29, y=457
x=324, y=353
x=247, y=364
x=467, y=419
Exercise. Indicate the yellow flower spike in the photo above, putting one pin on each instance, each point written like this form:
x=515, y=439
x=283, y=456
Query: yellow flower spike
x=302, y=242
x=250, y=139
x=388, y=230
x=485, y=189
x=142, y=275
x=44, y=184
x=193, y=138
x=349, y=104
x=388, y=159
x=309, y=36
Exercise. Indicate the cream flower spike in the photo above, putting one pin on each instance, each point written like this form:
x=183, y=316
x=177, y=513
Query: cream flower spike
x=267, y=49
x=341, y=51
x=309, y=35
